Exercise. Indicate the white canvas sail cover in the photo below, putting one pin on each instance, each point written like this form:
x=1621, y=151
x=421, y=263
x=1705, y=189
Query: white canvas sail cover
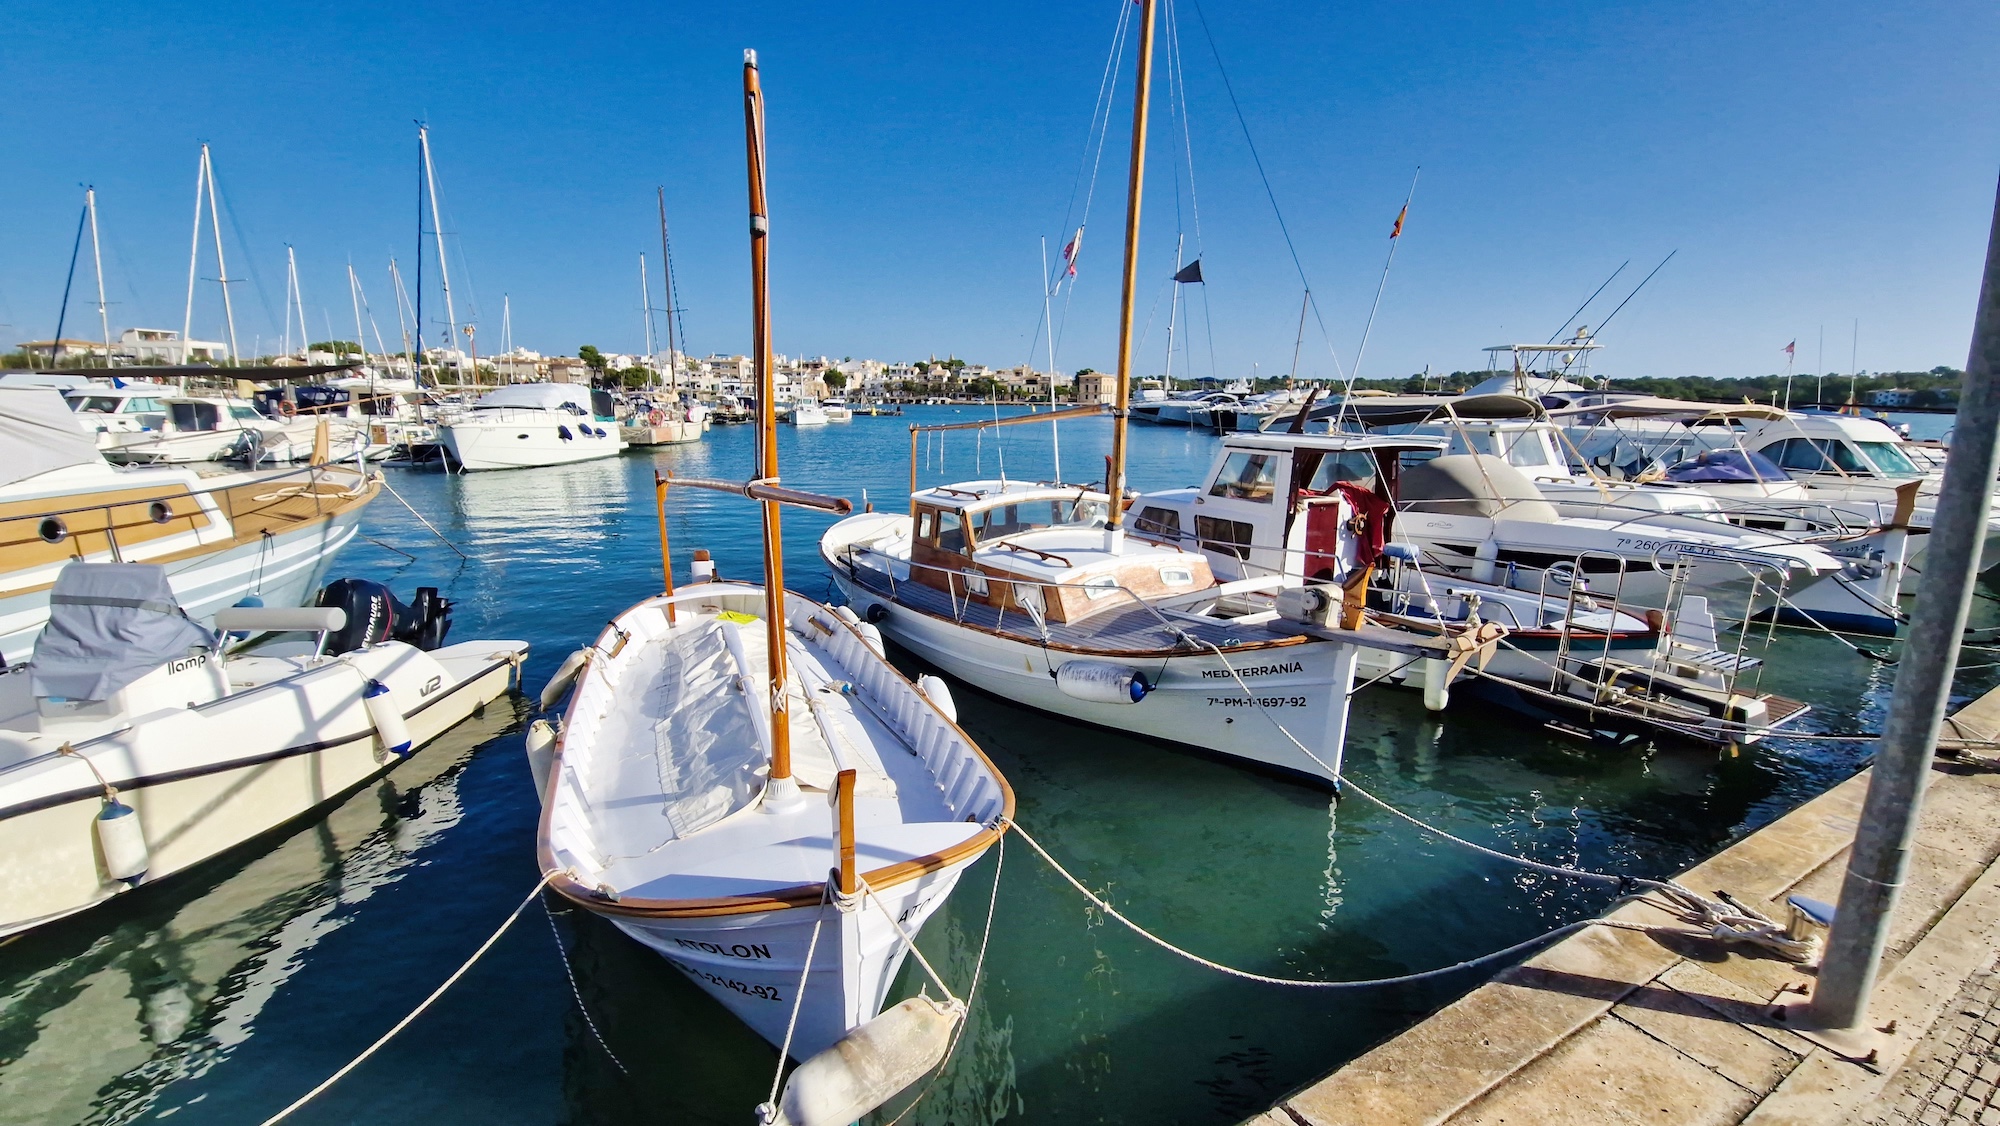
x=109, y=625
x=38, y=433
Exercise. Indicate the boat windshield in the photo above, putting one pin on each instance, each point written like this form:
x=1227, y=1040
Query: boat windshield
x=1033, y=515
x=1246, y=476
x=1889, y=460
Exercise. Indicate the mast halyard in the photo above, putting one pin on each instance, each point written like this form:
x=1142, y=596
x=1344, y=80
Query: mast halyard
x=1114, y=483
x=783, y=790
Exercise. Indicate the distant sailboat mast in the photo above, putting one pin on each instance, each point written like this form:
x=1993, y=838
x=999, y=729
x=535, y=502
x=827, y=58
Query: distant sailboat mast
x=667, y=269
x=204, y=181
x=646, y=310
x=97, y=256
x=294, y=296
x=444, y=269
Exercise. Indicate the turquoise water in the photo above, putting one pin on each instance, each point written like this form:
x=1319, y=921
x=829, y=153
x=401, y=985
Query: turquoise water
x=223, y=994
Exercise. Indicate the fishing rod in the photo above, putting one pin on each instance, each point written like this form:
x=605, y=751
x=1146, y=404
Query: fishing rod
x=1586, y=303
x=1630, y=296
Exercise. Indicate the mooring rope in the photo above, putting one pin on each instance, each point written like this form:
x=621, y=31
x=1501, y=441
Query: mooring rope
x=971, y=991
x=574, y=991
x=400, y=1025
x=767, y=1111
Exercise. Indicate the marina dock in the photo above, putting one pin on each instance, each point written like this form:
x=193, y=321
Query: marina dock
x=1622, y=1026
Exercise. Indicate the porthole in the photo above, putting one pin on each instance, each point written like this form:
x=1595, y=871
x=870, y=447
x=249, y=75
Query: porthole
x=160, y=511
x=54, y=530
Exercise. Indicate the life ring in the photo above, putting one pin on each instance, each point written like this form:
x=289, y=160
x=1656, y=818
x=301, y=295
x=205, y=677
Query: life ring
x=655, y=417
x=286, y=408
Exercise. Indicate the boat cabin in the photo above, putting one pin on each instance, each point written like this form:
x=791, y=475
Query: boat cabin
x=1828, y=448
x=1246, y=516
x=1043, y=550
x=119, y=409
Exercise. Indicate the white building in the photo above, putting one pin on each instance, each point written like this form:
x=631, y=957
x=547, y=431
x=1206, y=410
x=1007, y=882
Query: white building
x=165, y=346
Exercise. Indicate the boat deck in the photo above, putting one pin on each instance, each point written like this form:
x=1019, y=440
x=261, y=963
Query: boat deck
x=662, y=828
x=1130, y=630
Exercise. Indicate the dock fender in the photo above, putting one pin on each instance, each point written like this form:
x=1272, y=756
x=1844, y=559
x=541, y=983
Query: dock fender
x=121, y=836
x=877, y=613
x=939, y=693
x=387, y=716
x=873, y=637
x=541, y=746
x=1102, y=683
x=846, y=614
x=566, y=673
x=867, y=1067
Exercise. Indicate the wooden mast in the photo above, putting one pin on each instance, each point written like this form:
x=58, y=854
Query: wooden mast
x=1114, y=477
x=767, y=423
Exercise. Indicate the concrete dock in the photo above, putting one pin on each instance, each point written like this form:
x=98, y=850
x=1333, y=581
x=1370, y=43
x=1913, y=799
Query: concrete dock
x=1620, y=1026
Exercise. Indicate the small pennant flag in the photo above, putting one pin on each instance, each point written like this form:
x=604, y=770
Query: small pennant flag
x=1396, y=231
x=1189, y=273
x=1791, y=349
x=1070, y=251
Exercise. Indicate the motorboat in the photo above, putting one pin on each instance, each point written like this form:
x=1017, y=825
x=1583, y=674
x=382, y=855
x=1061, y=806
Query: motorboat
x=196, y=428
x=1479, y=516
x=132, y=749
x=525, y=425
x=805, y=412
x=261, y=536
x=664, y=422
x=837, y=410
x=743, y=783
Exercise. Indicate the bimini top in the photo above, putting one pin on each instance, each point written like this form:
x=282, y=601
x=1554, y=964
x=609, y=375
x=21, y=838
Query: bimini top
x=572, y=398
x=1281, y=440
x=40, y=434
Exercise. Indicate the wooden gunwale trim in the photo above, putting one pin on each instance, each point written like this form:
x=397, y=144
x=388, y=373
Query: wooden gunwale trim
x=779, y=899
x=246, y=528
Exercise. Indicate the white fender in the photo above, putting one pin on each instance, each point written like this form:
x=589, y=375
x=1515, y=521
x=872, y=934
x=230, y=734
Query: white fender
x=873, y=637
x=541, y=755
x=566, y=674
x=846, y=614
x=1102, y=683
x=1437, y=683
x=388, y=719
x=868, y=1066
x=123, y=840
x=939, y=693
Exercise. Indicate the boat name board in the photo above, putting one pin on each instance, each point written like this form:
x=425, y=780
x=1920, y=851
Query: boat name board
x=737, y=950
x=1254, y=670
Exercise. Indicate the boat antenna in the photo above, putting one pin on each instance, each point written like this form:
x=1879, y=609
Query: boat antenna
x=1114, y=477
x=782, y=787
x=1586, y=303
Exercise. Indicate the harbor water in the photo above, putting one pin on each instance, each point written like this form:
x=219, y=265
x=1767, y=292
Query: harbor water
x=223, y=994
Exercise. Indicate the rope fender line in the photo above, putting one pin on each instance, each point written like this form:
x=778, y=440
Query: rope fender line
x=381, y=1041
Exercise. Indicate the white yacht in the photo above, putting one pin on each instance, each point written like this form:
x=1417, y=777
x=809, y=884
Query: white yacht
x=837, y=410
x=805, y=412
x=527, y=425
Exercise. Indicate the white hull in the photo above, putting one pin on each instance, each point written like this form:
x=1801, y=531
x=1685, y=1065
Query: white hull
x=1194, y=702
x=209, y=778
x=525, y=443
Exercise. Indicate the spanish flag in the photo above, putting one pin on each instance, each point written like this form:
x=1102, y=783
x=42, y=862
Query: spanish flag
x=1400, y=216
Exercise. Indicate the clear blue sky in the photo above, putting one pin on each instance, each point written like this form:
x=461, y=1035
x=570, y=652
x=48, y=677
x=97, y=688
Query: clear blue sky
x=1812, y=163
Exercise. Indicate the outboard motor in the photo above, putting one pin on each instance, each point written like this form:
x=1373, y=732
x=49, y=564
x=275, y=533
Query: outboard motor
x=374, y=616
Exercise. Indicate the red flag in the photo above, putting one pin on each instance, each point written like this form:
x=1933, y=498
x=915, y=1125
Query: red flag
x=1789, y=348
x=1400, y=216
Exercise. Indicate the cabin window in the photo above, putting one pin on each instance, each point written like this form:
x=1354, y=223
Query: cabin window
x=245, y=414
x=1177, y=576
x=926, y=521
x=1814, y=456
x=1247, y=476
x=1889, y=460
x=194, y=416
x=1349, y=467
x=1098, y=586
x=1524, y=449
x=1154, y=521
x=950, y=532
x=98, y=404
x=1232, y=536
x=1000, y=520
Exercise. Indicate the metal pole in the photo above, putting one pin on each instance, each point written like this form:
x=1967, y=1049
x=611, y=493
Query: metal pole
x=1881, y=854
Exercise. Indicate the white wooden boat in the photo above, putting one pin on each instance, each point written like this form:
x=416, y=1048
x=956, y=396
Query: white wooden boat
x=807, y=413
x=742, y=782
x=130, y=749
x=660, y=813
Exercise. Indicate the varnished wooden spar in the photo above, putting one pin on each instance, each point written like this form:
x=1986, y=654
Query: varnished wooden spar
x=1114, y=477
x=767, y=492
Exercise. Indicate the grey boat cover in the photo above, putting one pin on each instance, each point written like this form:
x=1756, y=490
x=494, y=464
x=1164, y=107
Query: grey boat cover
x=40, y=433
x=109, y=625
x=1473, y=485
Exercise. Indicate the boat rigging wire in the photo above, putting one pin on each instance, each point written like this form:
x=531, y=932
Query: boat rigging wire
x=533, y=894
